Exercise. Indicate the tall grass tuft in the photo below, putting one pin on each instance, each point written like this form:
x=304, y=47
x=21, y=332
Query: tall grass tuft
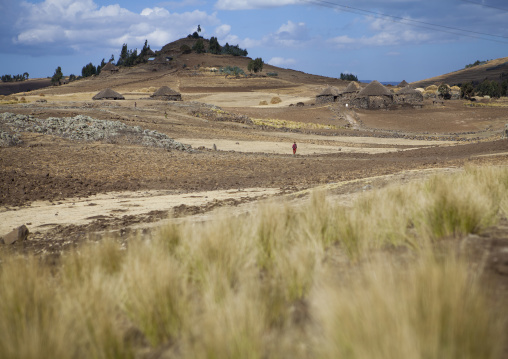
x=305, y=280
x=432, y=309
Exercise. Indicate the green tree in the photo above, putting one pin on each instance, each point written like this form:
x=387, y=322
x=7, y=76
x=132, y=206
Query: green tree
x=88, y=70
x=467, y=91
x=199, y=28
x=185, y=49
x=504, y=88
x=57, y=76
x=25, y=75
x=348, y=77
x=256, y=65
x=199, y=46
x=124, y=55
x=444, y=91
x=214, y=47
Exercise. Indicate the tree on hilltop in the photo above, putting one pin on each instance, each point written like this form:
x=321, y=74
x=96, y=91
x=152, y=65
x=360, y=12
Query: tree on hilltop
x=57, y=76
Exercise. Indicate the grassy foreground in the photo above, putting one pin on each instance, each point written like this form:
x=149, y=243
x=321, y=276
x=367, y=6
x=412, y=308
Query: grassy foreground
x=374, y=280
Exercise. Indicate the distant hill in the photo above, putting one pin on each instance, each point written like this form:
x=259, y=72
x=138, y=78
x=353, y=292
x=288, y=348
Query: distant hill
x=492, y=70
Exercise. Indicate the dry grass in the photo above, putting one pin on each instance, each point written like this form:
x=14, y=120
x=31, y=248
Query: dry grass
x=275, y=100
x=289, y=124
x=315, y=280
x=263, y=103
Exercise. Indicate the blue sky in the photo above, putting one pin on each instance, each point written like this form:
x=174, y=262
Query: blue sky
x=417, y=40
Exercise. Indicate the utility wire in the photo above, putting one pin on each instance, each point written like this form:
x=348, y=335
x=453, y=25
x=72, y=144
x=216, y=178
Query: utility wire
x=410, y=22
x=490, y=6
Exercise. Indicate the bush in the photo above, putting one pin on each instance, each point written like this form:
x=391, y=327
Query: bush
x=348, y=77
x=467, y=91
x=263, y=103
x=232, y=70
x=199, y=46
x=256, y=65
x=272, y=74
x=275, y=100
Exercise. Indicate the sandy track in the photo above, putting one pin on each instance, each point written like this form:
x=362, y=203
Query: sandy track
x=42, y=216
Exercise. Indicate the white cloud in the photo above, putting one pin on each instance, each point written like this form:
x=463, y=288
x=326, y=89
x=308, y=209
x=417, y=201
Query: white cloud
x=385, y=33
x=82, y=24
x=223, y=30
x=281, y=62
x=253, y=4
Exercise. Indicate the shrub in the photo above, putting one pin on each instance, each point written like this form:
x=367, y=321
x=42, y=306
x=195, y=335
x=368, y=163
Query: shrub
x=263, y=103
x=272, y=74
x=348, y=77
x=185, y=49
x=275, y=100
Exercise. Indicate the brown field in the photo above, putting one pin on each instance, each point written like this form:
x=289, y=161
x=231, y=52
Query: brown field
x=52, y=169
x=68, y=192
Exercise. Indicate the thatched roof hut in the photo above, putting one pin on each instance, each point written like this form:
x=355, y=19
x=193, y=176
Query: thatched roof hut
x=166, y=93
x=373, y=96
x=108, y=94
x=408, y=95
x=403, y=84
x=109, y=67
x=329, y=94
x=375, y=88
x=352, y=87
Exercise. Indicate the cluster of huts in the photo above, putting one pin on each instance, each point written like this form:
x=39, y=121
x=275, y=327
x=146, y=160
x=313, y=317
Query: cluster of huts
x=164, y=94
x=372, y=96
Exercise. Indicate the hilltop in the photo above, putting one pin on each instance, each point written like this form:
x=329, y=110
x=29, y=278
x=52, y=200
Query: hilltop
x=496, y=70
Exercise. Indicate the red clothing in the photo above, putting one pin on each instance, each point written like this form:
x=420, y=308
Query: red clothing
x=294, y=148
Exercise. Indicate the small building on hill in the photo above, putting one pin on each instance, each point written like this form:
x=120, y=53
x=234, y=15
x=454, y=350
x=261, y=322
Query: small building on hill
x=108, y=94
x=408, y=95
x=329, y=94
x=373, y=96
x=109, y=68
x=167, y=94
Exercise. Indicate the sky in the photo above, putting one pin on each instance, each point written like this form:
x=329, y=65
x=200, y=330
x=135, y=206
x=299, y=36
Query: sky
x=375, y=40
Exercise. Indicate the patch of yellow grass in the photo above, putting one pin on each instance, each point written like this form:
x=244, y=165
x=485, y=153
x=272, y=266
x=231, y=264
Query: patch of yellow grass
x=290, y=124
x=275, y=100
x=263, y=103
x=314, y=280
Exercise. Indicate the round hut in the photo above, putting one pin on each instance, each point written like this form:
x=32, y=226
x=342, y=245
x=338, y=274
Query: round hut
x=109, y=68
x=408, y=95
x=166, y=94
x=349, y=92
x=403, y=84
x=373, y=96
x=108, y=94
x=329, y=94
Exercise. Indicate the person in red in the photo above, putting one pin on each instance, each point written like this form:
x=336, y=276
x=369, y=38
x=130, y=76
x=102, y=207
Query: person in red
x=294, y=148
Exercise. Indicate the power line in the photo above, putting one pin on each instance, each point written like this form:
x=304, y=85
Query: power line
x=490, y=6
x=411, y=22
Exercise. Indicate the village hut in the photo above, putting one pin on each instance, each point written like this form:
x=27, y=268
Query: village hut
x=349, y=92
x=373, y=96
x=167, y=94
x=403, y=84
x=408, y=95
x=108, y=94
x=329, y=94
x=109, y=67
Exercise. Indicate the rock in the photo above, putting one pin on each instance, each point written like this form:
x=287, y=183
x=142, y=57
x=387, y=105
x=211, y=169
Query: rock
x=18, y=234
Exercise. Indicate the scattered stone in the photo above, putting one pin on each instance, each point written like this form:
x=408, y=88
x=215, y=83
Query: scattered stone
x=85, y=128
x=18, y=234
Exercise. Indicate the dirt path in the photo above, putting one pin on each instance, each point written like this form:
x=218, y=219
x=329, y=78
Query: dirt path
x=43, y=215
